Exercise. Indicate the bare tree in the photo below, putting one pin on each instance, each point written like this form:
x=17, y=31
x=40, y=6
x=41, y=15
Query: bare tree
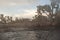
x=2, y=18
x=50, y=9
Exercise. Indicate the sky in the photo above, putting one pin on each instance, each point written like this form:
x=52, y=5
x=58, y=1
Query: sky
x=21, y=8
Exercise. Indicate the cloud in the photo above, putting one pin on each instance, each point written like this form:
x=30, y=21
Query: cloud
x=28, y=14
x=6, y=13
x=16, y=2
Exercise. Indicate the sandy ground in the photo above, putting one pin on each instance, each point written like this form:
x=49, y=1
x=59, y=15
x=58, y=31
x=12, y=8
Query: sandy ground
x=30, y=35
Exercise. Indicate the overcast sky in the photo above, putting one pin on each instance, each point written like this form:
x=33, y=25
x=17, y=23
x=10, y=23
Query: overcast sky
x=20, y=8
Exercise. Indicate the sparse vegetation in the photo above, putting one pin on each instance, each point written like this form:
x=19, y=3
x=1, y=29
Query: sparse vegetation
x=38, y=22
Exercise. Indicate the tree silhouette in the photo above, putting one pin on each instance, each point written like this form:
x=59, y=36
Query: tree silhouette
x=2, y=18
x=49, y=11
